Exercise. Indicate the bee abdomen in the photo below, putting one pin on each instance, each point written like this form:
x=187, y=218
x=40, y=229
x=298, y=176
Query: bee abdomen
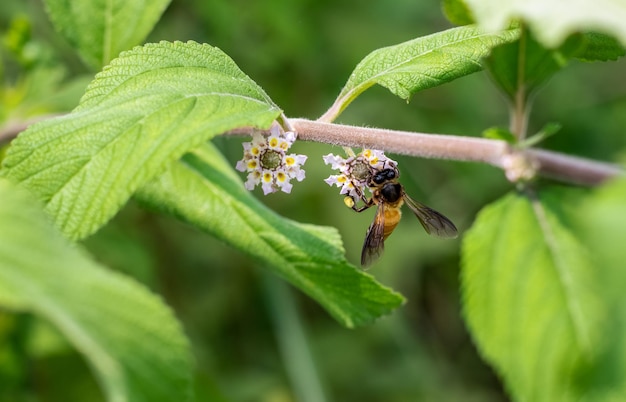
x=392, y=217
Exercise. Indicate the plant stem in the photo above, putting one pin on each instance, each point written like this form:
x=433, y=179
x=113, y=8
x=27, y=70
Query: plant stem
x=403, y=142
x=494, y=152
x=519, y=114
x=292, y=341
x=566, y=168
x=519, y=110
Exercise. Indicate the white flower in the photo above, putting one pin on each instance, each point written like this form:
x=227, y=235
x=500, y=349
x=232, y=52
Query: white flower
x=355, y=171
x=267, y=162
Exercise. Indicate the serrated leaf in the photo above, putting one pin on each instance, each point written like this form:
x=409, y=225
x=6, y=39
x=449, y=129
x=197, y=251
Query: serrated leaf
x=144, y=110
x=129, y=337
x=101, y=30
x=204, y=191
x=422, y=63
x=552, y=21
x=530, y=297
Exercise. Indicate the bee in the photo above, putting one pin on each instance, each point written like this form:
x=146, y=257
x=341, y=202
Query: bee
x=389, y=195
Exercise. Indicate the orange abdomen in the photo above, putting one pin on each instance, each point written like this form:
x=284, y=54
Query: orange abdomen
x=392, y=217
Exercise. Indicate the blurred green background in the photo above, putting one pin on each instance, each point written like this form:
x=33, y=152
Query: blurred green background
x=251, y=334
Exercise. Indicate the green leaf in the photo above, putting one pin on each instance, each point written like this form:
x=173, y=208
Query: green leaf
x=499, y=133
x=602, y=220
x=129, y=337
x=552, y=21
x=101, y=30
x=422, y=63
x=519, y=68
x=143, y=111
x=457, y=12
x=599, y=47
x=548, y=130
x=530, y=297
x=205, y=191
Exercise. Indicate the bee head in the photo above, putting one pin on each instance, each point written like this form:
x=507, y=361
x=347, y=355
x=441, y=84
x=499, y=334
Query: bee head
x=381, y=176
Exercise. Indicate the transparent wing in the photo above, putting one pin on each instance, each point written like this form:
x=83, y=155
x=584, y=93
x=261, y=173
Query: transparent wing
x=374, y=243
x=433, y=222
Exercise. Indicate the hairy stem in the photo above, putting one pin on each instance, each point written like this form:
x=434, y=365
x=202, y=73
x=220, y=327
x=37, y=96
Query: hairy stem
x=494, y=152
x=566, y=168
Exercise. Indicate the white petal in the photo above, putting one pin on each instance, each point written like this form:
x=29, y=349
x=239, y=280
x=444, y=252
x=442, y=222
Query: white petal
x=301, y=159
x=335, y=162
x=332, y=180
x=290, y=136
x=258, y=140
x=285, y=186
x=268, y=187
x=300, y=175
x=275, y=130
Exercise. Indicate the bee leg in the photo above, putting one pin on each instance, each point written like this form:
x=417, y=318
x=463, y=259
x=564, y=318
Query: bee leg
x=366, y=205
x=351, y=202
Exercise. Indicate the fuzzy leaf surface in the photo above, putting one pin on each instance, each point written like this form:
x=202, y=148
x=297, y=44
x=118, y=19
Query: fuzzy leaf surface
x=129, y=337
x=102, y=29
x=530, y=297
x=552, y=21
x=204, y=191
x=423, y=63
x=146, y=109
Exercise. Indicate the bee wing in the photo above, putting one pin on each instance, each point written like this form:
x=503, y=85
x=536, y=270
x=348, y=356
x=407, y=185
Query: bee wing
x=433, y=222
x=374, y=243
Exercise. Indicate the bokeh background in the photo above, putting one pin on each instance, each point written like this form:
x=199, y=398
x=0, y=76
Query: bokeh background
x=255, y=338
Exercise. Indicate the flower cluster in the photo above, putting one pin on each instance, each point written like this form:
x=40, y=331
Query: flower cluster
x=267, y=162
x=355, y=171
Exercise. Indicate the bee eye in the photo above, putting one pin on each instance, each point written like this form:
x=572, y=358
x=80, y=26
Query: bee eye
x=379, y=178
